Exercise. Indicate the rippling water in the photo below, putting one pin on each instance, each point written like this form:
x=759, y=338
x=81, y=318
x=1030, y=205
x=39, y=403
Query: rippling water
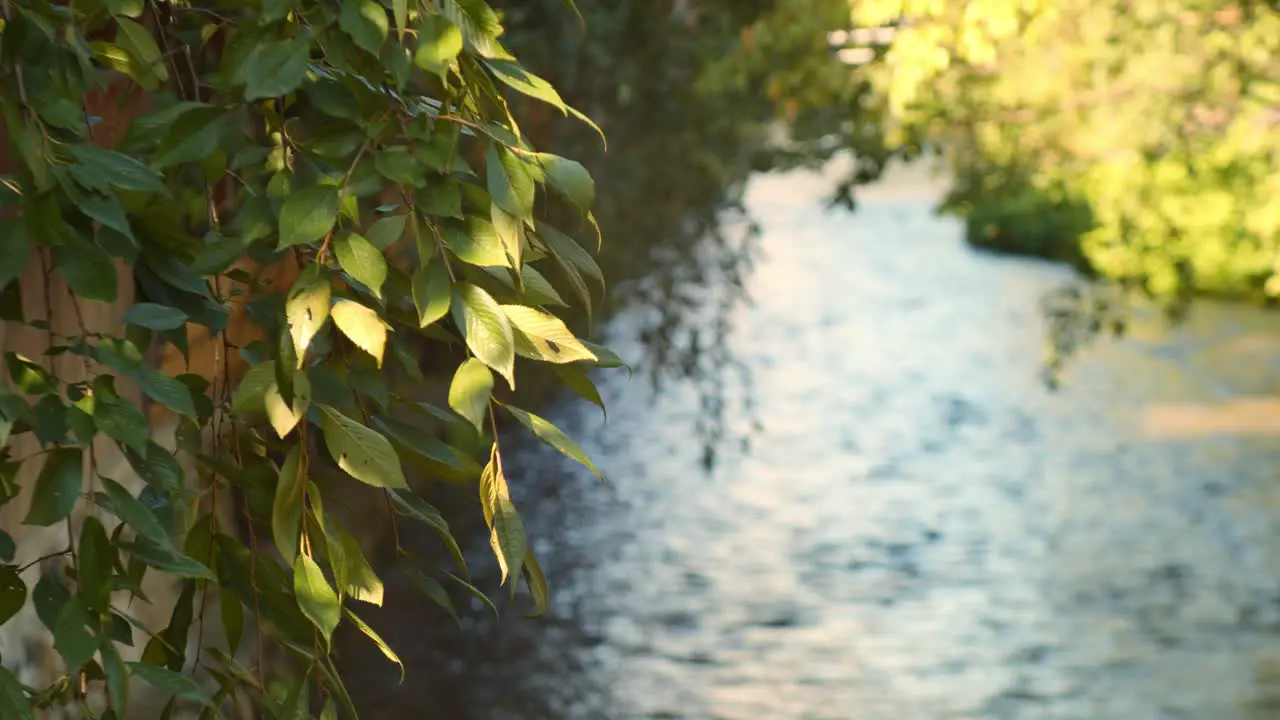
x=911, y=526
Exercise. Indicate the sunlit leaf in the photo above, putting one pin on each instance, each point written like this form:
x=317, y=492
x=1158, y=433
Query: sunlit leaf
x=307, y=309
x=469, y=391
x=361, y=452
x=317, y=600
x=510, y=181
x=284, y=417
x=362, y=261
x=362, y=326
x=553, y=436
x=378, y=641
x=486, y=329
x=439, y=42
x=432, y=291
x=542, y=336
x=366, y=22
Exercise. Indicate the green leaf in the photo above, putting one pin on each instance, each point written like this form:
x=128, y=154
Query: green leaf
x=486, y=329
x=506, y=537
x=362, y=261
x=365, y=21
x=147, y=66
x=16, y=248
x=386, y=231
x=121, y=421
x=398, y=165
x=307, y=309
x=400, y=12
x=359, y=581
x=605, y=358
x=378, y=641
x=361, y=452
x=469, y=392
x=579, y=383
x=439, y=42
x=479, y=24
x=117, y=678
x=552, y=435
x=193, y=136
x=362, y=326
x=537, y=583
x=49, y=596
x=476, y=243
x=88, y=270
x=426, y=513
x=57, y=487
x=8, y=548
x=273, y=10
x=13, y=593
x=95, y=565
x=542, y=336
x=432, y=291
x=71, y=637
x=510, y=181
x=284, y=416
x=249, y=396
x=276, y=68
x=114, y=169
x=155, y=317
x=29, y=377
x=308, y=215
x=569, y=253
x=298, y=705
x=434, y=591
x=290, y=499
x=13, y=700
x=317, y=600
x=570, y=178
x=330, y=711
x=136, y=515
x=510, y=230
x=171, y=683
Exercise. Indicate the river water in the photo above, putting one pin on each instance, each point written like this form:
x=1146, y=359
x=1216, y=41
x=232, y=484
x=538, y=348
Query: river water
x=902, y=522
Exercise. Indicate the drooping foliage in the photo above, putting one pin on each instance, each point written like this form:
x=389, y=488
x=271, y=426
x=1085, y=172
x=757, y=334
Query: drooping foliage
x=317, y=194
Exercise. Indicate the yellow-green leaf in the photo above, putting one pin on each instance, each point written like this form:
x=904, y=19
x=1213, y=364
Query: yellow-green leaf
x=432, y=291
x=307, y=309
x=542, y=336
x=362, y=261
x=469, y=392
x=283, y=416
x=378, y=641
x=361, y=452
x=308, y=215
x=362, y=326
x=553, y=436
x=486, y=329
x=316, y=599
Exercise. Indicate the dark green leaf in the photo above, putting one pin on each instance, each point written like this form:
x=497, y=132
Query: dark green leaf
x=13, y=593
x=362, y=261
x=171, y=683
x=386, y=231
x=169, y=560
x=115, y=169
x=399, y=165
x=317, y=600
x=15, y=247
x=57, y=488
x=8, y=549
x=13, y=701
x=155, y=317
x=366, y=22
x=537, y=583
x=88, y=270
x=553, y=436
x=71, y=637
x=580, y=384
x=193, y=136
x=121, y=421
x=486, y=329
x=117, y=678
x=276, y=68
x=570, y=178
x=569, y=253
x=469, y=392
x=308, y=215
x=432, y=291
x=290, y=498
x=361, y=452
x=434, y=591
x=96, y=562
x=414, y=506
x=49, y=596
x=273, y=10
x=132, y=512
